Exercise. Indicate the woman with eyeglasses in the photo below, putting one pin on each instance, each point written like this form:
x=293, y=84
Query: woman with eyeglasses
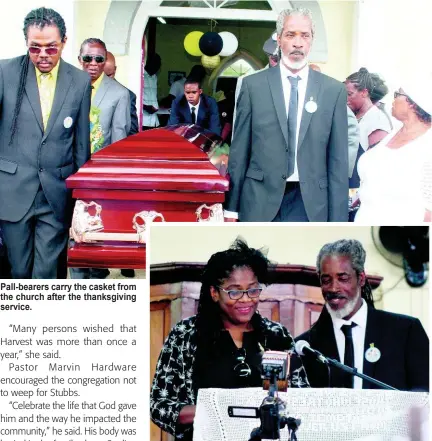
x=222, y=345
x=394, y=173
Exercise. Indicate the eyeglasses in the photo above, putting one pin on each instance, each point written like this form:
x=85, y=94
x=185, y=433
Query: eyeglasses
x=50, y=50
x=242, y=369
x=90, y=58
x=396, y=94
x=235, y=294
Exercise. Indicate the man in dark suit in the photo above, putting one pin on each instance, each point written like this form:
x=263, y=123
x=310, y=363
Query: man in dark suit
x=110, y=116
x=288, y=159
x=110, y=70
x=391, y=348
x=44, y=138
x=195, y=108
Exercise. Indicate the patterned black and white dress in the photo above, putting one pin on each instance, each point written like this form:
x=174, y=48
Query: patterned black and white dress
x=175, y=383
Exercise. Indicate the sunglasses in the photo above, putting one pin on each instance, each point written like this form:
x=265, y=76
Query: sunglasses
x=36, y=50
x=235, y=294
x=396, y=94
x=242, y=369
x=90, y=58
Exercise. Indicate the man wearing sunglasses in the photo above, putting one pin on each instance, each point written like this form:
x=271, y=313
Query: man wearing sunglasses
x=44, y=138
x=110, y=104
x=110, y=118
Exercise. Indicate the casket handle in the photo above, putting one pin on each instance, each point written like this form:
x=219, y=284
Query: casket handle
x=215, y=213
x=146, y=217
x=88, y=229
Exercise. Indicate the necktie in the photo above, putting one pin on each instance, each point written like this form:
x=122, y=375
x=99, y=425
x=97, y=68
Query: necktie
x=45, y=93
x=292, y=123
x=349, y=352
x=193, y=115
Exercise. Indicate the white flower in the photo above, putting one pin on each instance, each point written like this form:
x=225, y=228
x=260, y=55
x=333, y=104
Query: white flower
x=163, y=393
x=162, y=412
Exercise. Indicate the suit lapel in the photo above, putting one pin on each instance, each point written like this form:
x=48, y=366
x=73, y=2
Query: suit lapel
x=101, y=92
x=372, y=336
x=64, y=80
x=312, y=91
x=32, y=92
x=325, y=341
x=276, y=90
x=201, y=111
x=185, y=110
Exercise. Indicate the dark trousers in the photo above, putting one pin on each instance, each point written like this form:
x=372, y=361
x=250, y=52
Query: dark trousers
x=36, y=242
x=5, y=270
x=292, y=208
x=89, y=273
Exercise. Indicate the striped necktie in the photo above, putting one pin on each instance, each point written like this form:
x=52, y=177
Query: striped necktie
x=45, y=93
x=292, y=123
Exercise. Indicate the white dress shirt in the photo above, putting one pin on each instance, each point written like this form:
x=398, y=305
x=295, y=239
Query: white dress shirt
x=196, y=109
x=358, y=334
x=302, y=85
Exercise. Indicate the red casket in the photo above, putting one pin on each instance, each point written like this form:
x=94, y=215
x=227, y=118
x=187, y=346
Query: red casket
x=174, y=174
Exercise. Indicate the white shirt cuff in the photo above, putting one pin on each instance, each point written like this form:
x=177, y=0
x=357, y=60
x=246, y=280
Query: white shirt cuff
x=230, y=214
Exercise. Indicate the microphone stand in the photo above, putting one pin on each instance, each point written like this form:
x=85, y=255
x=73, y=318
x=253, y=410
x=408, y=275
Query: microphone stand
x=353, y=371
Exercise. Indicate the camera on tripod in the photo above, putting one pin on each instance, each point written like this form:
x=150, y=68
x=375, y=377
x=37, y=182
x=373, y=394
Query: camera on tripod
x=272, y=412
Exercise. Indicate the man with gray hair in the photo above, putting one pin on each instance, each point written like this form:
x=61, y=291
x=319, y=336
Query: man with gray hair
x=288, y=159
x=388, y=347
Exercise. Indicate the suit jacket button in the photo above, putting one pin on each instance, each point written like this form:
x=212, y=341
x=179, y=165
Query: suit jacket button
x=284, y=177
x=44, y=143
x=41, y=169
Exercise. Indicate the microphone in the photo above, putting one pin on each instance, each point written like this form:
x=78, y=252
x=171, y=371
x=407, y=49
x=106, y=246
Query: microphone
x=302, y=347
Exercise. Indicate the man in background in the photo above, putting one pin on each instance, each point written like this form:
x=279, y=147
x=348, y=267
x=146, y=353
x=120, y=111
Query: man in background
x=391, y=348
x=109, y=116
x=197, y=72
x=44, y=138
x=110, y=105
x=150, y=102
x=195, y=108
x=110, y=70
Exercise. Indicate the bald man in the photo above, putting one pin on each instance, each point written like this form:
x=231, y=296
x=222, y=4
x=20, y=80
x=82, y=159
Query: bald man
x=110, y=70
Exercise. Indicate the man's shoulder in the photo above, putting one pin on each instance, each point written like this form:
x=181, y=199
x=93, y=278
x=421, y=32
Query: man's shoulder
x=115, y=87
x=12, y=63
x=208, y=99
x=257, y=76
x=78, y=74
x=131, y=95
x=387, y=317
